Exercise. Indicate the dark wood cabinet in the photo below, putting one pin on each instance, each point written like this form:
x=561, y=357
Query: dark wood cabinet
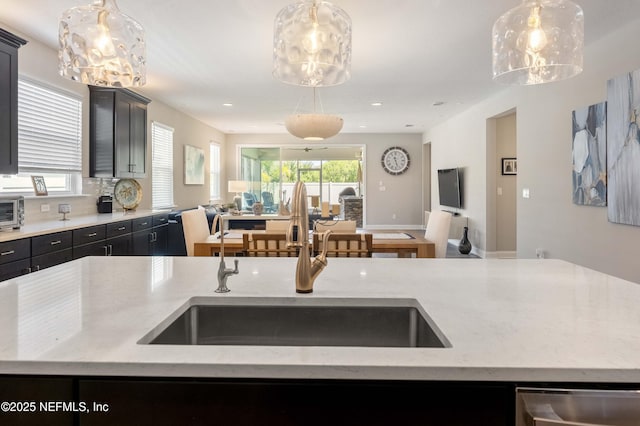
x=142, y=236
x=15, y=269
x=9, y=45
x=150, y=235
x=50, y=243
x=119, y=246
x=118, y=133
x=15, y=258
x=51, y=249
x=113, y=239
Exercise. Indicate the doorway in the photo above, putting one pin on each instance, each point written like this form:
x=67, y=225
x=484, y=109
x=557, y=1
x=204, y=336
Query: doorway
x=506, y=185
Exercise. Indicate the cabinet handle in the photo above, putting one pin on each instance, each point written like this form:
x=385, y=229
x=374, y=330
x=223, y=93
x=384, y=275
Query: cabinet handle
x=122, y=228
x=93, y=234
x=55, y=243
x=144, y=223
x=36, y=268
x=110, y=249
x=5, y=253
x=106, y=250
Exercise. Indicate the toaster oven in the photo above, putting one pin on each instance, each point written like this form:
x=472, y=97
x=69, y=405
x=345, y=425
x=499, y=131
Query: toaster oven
x=11, y=212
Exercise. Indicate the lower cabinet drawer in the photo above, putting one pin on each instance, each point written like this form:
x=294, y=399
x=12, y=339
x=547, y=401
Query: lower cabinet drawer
x=89, y=234
x=51, y=259
x=11, y=251
x=51, y=242
x=15, y=269
x=118, y=228
x=141, y=223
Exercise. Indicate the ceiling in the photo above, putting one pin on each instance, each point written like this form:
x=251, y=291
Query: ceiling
x=407, y=54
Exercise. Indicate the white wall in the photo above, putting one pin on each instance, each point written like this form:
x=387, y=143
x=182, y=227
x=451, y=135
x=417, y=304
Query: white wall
x=402, y=195
x=548, y=219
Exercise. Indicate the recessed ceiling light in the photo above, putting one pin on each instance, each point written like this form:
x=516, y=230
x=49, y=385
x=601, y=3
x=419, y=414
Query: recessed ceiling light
x=376, y=104
x=227, y=104
x=438, y=103
x=362, y=126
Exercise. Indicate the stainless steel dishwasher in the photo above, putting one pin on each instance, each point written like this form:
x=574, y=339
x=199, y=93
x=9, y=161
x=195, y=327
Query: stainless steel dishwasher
x=577, y=407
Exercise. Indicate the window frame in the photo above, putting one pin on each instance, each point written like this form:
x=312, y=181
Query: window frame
x=158, y=165
x=215, y=172
x=72, y=178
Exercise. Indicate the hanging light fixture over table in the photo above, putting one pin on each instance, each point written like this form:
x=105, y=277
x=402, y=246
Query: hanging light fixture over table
x=314, y=126
x=312, y=44
x=101, y=46
x=540, y=41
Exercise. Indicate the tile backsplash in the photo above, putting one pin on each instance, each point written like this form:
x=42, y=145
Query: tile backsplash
x=81, y=205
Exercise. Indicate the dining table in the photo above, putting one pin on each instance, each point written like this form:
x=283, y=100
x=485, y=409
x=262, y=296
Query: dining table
x=405, y=243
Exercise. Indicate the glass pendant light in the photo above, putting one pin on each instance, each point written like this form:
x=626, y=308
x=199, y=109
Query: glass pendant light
x=539, y=41
x=312, y=44
x=101, y=46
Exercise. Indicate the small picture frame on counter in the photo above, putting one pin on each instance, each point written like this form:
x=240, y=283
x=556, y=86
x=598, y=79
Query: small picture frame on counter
x=39, y=186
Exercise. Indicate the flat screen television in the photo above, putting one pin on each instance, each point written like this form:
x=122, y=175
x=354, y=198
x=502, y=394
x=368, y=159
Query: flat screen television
x=449, y=188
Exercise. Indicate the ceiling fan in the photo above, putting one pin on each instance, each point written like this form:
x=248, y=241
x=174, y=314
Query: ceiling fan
x=307, y=149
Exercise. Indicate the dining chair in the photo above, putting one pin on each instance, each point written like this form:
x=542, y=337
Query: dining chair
x=195, y=227
x=344, y=244
x=438, y=231
x=348, y=226
x=267, y=245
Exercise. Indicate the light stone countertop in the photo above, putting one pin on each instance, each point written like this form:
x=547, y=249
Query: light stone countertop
x=74, y=222
x=507, y=320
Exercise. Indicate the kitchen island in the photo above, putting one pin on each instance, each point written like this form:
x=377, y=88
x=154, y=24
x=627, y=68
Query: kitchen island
x=508, y=322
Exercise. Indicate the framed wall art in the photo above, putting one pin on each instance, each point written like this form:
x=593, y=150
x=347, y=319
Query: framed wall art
x=623, y=140
x=509, y=166
x=193, y=165
x=589, y=152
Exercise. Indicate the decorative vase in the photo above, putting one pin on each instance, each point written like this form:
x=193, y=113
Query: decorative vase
x=284, y=209
x=257, y=208
x=465, y=245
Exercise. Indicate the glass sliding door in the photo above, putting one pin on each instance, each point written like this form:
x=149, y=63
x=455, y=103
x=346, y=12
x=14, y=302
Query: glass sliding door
x=271, y=172
x=260, y=168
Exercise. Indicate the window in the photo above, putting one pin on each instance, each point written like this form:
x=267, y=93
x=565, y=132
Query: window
x=162, y=166
x=214, y=170
x=49, y=140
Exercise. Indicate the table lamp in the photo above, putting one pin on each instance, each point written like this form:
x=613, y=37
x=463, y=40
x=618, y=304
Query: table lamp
x=237, y=186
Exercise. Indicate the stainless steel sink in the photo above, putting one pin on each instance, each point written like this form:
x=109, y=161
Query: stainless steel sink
x=299, y=322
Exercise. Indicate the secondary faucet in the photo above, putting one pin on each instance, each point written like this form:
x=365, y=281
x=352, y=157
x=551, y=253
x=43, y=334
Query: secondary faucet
x=223, y=271
x=306, y=270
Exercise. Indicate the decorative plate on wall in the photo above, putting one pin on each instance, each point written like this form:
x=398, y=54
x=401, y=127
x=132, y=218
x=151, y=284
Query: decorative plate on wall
x=395, y=160
x=128, y=193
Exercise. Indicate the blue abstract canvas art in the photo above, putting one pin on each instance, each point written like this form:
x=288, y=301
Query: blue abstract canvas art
x=589, y=155
x=623, y=149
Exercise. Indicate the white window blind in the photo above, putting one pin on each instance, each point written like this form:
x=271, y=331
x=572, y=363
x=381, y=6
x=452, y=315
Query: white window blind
x=49, y=130
x=162, y=166
x=214, y=167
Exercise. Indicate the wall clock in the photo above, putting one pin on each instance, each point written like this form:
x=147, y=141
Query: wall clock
x=395, y=160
